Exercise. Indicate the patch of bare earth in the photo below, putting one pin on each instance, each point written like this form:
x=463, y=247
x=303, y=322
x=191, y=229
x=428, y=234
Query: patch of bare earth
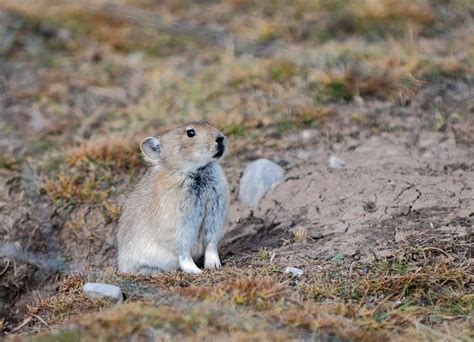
x=395, y=190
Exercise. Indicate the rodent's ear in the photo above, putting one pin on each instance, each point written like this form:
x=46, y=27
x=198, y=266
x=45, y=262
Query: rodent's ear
x=151, y=149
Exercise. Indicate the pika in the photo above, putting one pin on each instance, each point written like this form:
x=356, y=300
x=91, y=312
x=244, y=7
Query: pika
x=177, y=211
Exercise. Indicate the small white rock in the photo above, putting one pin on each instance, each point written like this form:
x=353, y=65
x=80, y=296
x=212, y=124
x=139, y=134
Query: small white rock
x=306, y=134
x=64, y=34
x=259, y=178
x=336, y=163
x=297, y=272
x=135, y=58
x=358, y=100
x=99, y=290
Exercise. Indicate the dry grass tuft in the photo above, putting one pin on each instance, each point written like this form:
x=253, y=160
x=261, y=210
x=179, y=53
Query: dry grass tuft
x=392, y=297
x=403, y=297
x=92, y=169
x=170, y=280
x=282, y=70
x=425, y=286
x=68, y=302
x=295, y=20
x=117, y=152
x=367, y=18
x=300, y=233
x=170, y=322
x=75, y=189
x=388, y=80
x=248, y=290
x=337, y=320
x=235, y=285
x=395, y=15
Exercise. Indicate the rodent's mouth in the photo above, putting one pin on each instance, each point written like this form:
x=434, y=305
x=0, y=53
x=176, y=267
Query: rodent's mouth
x=220, y=152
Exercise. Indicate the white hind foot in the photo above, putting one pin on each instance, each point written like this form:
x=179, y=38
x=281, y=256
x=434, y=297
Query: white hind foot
x=187, y=265
x=211, y=257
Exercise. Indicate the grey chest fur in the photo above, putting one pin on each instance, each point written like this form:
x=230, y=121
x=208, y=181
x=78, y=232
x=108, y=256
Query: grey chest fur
x=201, y=186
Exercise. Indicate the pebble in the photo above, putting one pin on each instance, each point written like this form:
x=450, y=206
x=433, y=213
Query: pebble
x=336, y=163
x=258, y=179
x=99, y=290
x=306, y=134
x=37, y=120
x=358, y=100
x=316, y=234
x=297, y=272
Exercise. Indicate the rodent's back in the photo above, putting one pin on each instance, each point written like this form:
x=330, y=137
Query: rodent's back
x=134, y=208
x=146, y=204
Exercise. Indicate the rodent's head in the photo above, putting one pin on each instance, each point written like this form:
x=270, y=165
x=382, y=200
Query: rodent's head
x=187, y=147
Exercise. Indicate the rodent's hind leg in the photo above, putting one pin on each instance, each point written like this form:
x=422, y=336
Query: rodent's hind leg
x=148, y=259
x=148, y=270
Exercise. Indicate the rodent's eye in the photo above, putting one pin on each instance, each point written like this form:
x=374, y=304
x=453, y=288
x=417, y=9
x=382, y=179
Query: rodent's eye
x=190, y=133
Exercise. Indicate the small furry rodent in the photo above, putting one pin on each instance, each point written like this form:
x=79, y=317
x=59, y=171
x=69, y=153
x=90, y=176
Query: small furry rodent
x=177, y=211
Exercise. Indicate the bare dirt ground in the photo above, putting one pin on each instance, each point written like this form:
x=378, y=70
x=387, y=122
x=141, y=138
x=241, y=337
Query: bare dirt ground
x=385, y=242
x=395, y=190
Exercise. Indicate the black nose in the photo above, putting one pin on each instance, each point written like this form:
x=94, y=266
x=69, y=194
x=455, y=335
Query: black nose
x=220, y=140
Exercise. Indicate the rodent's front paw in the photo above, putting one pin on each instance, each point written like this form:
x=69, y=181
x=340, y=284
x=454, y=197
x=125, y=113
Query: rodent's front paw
x=187, y=265
x=212, y=261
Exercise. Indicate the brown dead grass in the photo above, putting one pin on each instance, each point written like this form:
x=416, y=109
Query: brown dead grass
x=419, y=278
x=142, y=320
x=337, y=320
x=91, y=169
x=115, y=33
x=387, y=80
x=394, y=297
x=233, y=284
x=320, y=19
x=405, y=297
x=118, y=152
x=75, y=189
x=368, y=14
x=248, y=290
x=70, y=301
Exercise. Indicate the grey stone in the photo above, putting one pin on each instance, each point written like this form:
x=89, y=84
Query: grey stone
x=316, y=234
x=336, y=163
x=37, y=120
x=259, y=178
x=358, y=100
x=297, y=272
x=99, y=290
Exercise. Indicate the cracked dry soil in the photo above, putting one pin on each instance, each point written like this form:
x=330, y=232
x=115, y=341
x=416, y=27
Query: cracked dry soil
x=390, y=194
